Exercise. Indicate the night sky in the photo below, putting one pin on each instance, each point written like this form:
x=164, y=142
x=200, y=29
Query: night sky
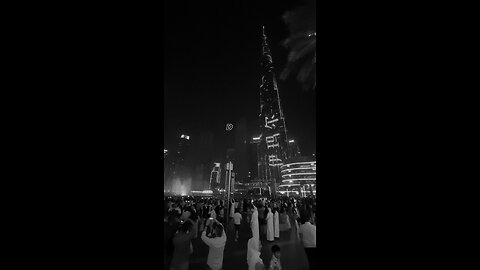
x=212, y=70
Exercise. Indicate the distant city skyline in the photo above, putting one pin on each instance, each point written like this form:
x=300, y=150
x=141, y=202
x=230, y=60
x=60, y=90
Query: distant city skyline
x=212, y=78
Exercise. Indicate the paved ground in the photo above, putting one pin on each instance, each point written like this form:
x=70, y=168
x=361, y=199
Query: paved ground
x=235, y=254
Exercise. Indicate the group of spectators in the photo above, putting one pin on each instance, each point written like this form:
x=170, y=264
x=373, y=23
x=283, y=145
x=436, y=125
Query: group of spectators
x=303, y=214
x=186, y=217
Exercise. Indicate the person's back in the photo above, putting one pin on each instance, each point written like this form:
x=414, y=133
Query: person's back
x=199, y=208
x=206, y=211
x=221, y=214
x=216, y=247
x=309, y=235
x=182, y=243
x=254, y=261
x=169, y=232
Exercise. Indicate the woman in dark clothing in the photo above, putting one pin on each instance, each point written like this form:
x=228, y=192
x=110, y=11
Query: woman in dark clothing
x=182, y=243
x=171, y=226
x=261, y=220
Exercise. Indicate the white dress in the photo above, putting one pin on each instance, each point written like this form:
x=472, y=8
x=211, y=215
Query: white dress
x=254, y=224
x=276, y=224
x=253, y=253
x=270, y=235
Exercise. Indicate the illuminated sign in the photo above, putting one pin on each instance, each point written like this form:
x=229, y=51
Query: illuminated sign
x=272, y=141
x=273, y=160
x=272, y=121
x=185, y=137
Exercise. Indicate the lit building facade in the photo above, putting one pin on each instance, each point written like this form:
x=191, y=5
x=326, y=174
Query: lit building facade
x=215, y=176
x=273, y=146
x=299, y=177
x=183, y=145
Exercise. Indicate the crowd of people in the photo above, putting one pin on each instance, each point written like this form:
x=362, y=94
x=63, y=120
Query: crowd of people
x=187, y=218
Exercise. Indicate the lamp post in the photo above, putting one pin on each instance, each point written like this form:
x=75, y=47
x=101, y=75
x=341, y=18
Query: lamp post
x=228, y=184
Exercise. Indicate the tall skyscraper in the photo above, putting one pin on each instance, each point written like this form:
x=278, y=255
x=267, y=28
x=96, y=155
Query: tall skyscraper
x=273, y=146
x=293, y=149
x=215, y=176
x=183, y=145
x=178, y=160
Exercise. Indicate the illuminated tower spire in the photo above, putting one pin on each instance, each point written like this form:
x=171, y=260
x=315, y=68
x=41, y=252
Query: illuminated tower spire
x=265, y=48
x=273, y=148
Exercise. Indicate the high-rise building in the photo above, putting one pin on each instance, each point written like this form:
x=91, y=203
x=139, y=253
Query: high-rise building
x=179, y=157
x=293, y=149
x=183, y=145
x=215, y=176
x=273, y=145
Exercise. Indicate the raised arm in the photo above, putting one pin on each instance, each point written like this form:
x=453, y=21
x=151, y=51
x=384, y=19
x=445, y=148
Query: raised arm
x=206, y=239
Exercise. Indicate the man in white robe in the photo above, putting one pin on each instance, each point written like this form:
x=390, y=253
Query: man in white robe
x=254, y=223
x=270, y=234
x=276, y=224
x=254, y=261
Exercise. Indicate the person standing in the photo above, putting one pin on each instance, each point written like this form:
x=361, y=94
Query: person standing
x=216, y=244
x=199, y=208
x=171, y=226
x=206, y=215
x=221, y=213
x=237, y=218
x=308, y=236
x=212, y=212
x=186, y=214
x=261, y=219
x=270, y=233
x=275, y=261
x=182, y=243
x=254, y=223
x=276, y=224
x=254, y=261
x=296, y=217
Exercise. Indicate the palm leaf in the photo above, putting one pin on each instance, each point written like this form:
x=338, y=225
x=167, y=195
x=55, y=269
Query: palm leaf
x=302, y=44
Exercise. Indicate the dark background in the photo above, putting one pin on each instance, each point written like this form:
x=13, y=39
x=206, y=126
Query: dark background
x=212, y=71
x=83, y=136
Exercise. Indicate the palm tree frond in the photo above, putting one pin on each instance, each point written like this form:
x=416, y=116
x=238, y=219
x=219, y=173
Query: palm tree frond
x=302, y=58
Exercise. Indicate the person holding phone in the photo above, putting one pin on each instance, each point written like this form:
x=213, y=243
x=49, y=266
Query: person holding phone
x=216, y=243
